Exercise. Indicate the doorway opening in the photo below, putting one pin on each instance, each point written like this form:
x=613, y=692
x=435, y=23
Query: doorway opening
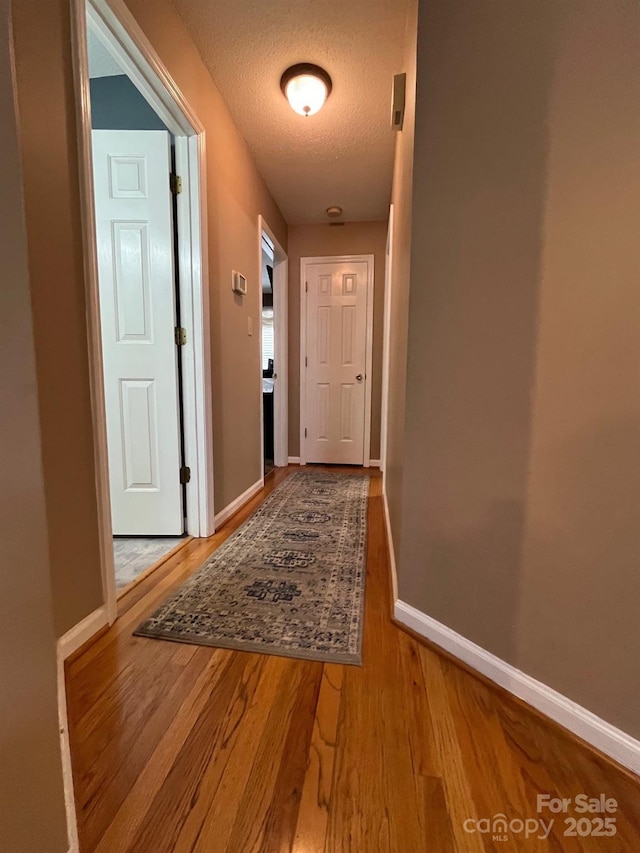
x=273, y=350
x=144, y=229
x=138, y=269
x=268, y=352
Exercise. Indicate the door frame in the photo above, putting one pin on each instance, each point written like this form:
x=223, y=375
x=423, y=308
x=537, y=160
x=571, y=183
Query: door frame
x=134, y=53
x=280, y=347
x=368, y=377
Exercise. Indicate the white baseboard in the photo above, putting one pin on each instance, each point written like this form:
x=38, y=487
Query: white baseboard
x=374, y=463
x=600, y=734
x=392, y=551
x=239, y=502
x=294, y=460
x=83, y=631
x=65, y=751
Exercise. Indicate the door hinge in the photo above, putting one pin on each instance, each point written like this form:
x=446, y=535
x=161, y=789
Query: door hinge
x=185, y=475
x=305, y=432
x=306, y=361
x=306, y=287
x=175, y=184
x=180, y=335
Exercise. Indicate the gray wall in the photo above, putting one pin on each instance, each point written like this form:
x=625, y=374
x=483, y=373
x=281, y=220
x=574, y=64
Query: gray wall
x=116, y=104
x=32, y=812
x=521, y=476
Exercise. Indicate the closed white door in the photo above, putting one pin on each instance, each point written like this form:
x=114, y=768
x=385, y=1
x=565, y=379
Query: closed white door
x=137, y=312
x=334, y=377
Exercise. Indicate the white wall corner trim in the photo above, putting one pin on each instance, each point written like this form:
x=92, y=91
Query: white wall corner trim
x=592, y=729
x=294, y=460
x=83, y=631
x=391, y=549
x=239, y=502
x=65, y=750
x=374, y=463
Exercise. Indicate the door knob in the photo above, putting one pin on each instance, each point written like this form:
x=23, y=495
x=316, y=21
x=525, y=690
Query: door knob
x=359, y=377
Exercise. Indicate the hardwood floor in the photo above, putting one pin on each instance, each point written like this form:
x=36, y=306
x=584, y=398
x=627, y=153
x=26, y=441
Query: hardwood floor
x=187, y=748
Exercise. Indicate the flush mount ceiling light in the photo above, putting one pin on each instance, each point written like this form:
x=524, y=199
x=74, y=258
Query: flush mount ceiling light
x=334, y=211
x=306, y=87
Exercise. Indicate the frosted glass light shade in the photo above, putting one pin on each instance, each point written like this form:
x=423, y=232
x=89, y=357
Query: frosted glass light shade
x=306, y=87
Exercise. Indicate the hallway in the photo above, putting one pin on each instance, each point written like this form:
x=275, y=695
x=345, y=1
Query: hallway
x=187, y=748
x=481, y=160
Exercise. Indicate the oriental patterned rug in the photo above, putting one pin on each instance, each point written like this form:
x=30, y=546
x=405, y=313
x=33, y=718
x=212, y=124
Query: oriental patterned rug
x=290, y=581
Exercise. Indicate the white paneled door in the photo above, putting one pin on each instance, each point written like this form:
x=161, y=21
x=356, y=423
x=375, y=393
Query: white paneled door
x=335, y=368
x=138, y=318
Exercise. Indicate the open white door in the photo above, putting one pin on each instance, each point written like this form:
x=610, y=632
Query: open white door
x=335, y=361
x=137, y=310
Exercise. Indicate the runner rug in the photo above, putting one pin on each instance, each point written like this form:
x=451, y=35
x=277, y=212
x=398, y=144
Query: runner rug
x=290, y=581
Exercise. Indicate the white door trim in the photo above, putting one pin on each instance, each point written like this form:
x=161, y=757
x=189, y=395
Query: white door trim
x=281, y=350
x=386, y=342
x=337, y=259
x=134, y=53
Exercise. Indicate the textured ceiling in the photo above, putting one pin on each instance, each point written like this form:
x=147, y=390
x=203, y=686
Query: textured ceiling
x=101, y=63
x=344, y=154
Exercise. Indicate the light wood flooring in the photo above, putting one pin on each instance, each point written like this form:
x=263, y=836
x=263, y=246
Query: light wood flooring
x=185, y=748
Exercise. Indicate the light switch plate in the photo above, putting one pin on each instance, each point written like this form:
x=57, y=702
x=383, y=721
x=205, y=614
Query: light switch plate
x=238, y=283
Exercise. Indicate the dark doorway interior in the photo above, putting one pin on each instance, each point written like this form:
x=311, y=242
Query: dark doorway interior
x=267, y=350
